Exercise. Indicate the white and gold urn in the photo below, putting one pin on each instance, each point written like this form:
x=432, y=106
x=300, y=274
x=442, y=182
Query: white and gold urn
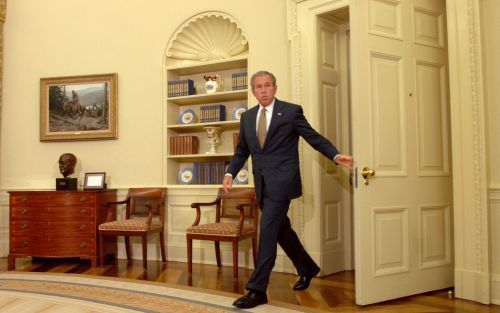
x=214, y=138
x=213, y=83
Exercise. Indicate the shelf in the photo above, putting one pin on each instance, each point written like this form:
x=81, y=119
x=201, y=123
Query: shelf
x=199, y=157
x=219, y=65
x=211, y=98
x=198, y=127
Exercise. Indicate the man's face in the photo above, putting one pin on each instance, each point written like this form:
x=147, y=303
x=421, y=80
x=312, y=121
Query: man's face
x=66, y=165
x=264, y=90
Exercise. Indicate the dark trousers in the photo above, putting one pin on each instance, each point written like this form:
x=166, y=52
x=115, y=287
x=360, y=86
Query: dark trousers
x=275, y=228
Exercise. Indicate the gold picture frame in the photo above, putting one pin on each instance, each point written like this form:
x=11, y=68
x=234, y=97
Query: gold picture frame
x=79, y=107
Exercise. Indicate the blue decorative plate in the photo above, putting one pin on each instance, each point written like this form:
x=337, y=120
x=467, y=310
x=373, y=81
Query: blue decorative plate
x=186, y=176
x=238, y=110
x=187, y=117
x=242, y=177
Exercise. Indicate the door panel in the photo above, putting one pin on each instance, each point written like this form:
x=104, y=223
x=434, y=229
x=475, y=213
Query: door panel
x=402, y=215
x=387, y=115
x=335, y=203
x=391, y=253
x=433, y=150
x=435, y=248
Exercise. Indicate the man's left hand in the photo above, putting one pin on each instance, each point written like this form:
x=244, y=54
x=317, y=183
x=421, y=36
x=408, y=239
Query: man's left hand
x=345, y=161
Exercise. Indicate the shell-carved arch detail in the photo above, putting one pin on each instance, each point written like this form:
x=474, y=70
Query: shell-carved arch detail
x=208, y=36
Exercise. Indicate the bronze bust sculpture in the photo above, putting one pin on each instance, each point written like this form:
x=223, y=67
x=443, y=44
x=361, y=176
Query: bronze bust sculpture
x=67, y=162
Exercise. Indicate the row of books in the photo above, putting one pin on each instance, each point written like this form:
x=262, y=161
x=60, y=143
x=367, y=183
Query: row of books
x=180, y=145
x=181, y=87
x=185, y=87
x=212, y=113
x=184, y=145
x=207, y=173
x=239, y=80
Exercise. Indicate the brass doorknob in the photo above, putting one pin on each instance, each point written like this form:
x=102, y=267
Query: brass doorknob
x=367, y=172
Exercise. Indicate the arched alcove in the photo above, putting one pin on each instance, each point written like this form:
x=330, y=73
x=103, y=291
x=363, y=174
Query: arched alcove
x=207, y=45
x=205, y=37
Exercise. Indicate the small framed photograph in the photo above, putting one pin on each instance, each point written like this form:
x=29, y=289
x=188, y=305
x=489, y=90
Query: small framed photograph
x=95, y=181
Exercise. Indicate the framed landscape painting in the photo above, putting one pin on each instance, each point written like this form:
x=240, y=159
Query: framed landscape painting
x=78, y=108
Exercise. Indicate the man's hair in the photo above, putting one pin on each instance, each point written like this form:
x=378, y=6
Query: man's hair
x=262, y=73
x=71, y=157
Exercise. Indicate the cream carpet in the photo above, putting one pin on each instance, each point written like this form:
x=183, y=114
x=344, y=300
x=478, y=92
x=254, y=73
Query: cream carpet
x=68, y=293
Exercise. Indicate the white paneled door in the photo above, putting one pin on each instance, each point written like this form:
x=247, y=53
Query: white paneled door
x=335, y=188
x=400, y=134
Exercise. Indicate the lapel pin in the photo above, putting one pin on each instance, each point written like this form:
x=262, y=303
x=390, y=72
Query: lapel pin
x=279, y=113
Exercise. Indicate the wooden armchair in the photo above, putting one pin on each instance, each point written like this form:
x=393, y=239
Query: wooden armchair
x=144, y=215
x=237, y=205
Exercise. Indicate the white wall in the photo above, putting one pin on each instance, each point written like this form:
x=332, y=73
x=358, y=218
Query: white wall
x=53, y=38
x=490, y=27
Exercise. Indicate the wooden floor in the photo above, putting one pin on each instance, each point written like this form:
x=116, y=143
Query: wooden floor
x=334, y=293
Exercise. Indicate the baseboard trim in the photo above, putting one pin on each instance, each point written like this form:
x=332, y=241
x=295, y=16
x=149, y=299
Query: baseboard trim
x=495, y=289
x=494, y=206
x=474, y=285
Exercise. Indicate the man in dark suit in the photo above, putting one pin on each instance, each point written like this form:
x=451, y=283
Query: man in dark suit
x=270, y=134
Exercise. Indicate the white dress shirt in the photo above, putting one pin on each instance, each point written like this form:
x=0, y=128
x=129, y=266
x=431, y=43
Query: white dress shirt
x=269, y=115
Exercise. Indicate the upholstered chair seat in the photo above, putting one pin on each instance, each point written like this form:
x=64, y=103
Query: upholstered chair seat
x=131, y=225
x=222, y=229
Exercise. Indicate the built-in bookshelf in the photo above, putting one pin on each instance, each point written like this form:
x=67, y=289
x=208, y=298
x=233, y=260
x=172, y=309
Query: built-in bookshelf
x=205, y=92
x=189, y=114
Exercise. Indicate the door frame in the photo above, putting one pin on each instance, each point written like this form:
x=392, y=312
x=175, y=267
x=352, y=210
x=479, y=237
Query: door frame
x=468, y=129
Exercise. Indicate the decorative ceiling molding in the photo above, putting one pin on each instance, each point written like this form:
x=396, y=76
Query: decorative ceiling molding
x=208, y=36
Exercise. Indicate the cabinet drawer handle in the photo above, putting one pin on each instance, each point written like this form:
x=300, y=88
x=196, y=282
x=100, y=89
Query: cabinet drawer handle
x=24, y=226
x=83, y=226
x=24, y=211
x=83, y=211
x=24, y=199
x=25, y=243
x=83, y=198
x=83, y=244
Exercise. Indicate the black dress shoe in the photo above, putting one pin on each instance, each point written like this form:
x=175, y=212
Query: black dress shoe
x=304, y=282
x=250, y=300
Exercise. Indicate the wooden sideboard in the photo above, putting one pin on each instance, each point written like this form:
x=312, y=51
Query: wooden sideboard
x=58, y=224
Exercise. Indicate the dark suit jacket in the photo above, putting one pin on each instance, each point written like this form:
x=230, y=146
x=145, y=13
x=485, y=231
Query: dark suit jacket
x=278, y=162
